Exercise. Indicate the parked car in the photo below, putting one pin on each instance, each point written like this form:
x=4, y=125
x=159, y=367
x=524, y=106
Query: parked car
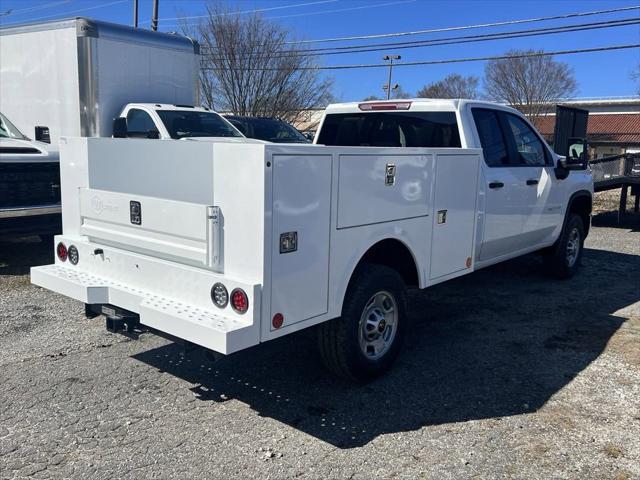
x=165, y=122
x=29, y=185
x=244, y=243
x=267, y=129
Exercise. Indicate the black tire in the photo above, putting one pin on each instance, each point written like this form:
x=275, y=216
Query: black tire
x=558, y=260
x=340, y=339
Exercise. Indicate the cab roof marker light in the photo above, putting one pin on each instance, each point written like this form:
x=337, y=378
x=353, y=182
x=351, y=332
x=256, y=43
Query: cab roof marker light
x=384, y=106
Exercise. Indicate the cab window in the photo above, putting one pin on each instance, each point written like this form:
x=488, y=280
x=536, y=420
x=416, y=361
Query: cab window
x=391, y=129
x=139, y=123
x=492, y=140
x=529, y=148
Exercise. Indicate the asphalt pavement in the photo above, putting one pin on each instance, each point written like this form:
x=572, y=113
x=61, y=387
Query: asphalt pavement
x=507, y=374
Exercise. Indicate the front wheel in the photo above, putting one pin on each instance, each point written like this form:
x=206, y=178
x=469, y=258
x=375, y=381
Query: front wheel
x=564, y=257
x=364, y=342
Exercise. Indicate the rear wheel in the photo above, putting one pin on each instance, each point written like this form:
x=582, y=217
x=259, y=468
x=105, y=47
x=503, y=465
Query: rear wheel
x=366, y=339
x=563, y=259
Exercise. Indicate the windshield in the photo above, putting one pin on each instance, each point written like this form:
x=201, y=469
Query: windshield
x=9, y=130
x=270, y=130
x=187, y=123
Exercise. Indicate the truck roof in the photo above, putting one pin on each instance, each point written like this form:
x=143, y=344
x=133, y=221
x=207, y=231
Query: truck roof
x=87, y=27
x=410, y=104
x=169, y=106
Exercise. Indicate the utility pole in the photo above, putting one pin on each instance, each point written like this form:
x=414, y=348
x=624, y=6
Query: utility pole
x=154, y=17
x=390, y=59
x=135, y=13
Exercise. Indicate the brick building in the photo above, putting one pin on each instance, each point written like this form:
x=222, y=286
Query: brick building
x=613, y=128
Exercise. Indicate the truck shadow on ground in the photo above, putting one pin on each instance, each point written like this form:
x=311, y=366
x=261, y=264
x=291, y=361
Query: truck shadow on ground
x=18, y=255
x=630, y=220
x=496, y=343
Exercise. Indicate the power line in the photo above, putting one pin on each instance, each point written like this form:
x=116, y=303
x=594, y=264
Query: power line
x=452, y=40
x=475, y=38
x=455, y=60
x=337, y=10
x=468, y=27
x=222, y=14
x=22, y=11
x=322, y=12
x=64, y=14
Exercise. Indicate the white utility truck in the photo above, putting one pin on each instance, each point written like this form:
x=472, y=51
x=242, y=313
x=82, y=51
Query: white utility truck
x=244, y=243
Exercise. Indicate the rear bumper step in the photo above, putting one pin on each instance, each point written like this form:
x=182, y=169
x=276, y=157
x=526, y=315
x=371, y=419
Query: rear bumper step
x=200, y=326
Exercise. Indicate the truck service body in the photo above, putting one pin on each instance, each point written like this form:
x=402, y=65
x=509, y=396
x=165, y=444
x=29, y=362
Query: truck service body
x=226, y=245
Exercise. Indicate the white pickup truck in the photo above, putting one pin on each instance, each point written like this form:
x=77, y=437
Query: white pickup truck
x=226, y=245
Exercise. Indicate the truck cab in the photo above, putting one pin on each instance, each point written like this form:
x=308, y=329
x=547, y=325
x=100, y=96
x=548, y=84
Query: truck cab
x=524, y=186
x=177, y=122
x=29, y=184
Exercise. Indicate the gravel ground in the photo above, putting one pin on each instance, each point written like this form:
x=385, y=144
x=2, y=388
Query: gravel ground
x=508, y=375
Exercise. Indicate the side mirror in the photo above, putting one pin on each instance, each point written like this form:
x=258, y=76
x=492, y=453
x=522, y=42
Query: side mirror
x=155, y=134
x=577, y=154
x=43, y=134
x=120, y=127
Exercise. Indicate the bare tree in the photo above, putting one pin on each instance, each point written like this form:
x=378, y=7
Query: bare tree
x=451, y=86
x=529, y=83
x=248, y=67
x=400, y=93
x=397, y=92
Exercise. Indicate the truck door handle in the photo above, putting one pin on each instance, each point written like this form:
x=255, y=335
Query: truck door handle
x=496, y=185
x=532, y=182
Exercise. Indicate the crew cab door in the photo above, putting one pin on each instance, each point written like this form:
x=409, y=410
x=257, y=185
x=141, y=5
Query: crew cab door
x=533, y=165
x=521, y=205
x=505, y=198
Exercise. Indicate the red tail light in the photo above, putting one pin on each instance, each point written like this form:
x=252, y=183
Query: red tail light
x=384, y=106
x=61, y=251
x=277, y=320
x=239, y=300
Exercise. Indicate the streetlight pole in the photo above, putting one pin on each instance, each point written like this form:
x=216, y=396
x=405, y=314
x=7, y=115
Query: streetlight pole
x=154, y=17
x=135, y=13
x=390, y=59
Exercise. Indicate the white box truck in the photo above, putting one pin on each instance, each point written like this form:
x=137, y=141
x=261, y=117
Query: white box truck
x=249, y=242
x=72, y=78
x=75, y=76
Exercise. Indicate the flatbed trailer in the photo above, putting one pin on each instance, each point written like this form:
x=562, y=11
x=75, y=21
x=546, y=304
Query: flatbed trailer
x=620, y=171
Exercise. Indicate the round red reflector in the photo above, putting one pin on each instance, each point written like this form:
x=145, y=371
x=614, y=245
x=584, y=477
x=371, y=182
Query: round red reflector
x=61, y=251
x=277, y=320
x=239, y=300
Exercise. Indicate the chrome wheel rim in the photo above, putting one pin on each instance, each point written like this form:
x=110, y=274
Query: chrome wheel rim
x=573, y=247
x=378, y=325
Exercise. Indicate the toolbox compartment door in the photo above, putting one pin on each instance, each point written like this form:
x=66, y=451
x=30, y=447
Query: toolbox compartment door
x=376, y=188
x=301, y=210
x=454, y=215
x=158, y=227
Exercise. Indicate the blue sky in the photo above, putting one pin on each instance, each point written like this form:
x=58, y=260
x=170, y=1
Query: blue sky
x=598, y=74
